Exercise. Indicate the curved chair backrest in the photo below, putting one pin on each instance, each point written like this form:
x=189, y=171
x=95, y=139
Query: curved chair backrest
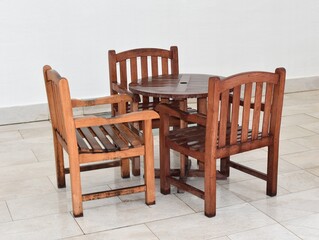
x=60, y=105
x=244, y=111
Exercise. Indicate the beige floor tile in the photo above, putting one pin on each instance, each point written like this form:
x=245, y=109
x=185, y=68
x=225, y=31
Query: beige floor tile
x=290, y=206
x=14, y=145
x=4, y=213
x=52, y=203
x=311, y=142
x=95, y=178
x=314, y=114
x=225, y=198
x=273, y=232
x=306, y=228
x=235, y=176
x=298, y=119
x=303, y=159
x=314, y=171
x=44, y=152
x=308, y=109
x=220, y=238
x=27, y=171
x=138, y=232
x=287, y=146
x=12, y=158
x=129, y=213
x=46, y=227
x=252, y=190
x=36, y=132
x=228, y=220
x=10, y=136
x=311, y=126
x=15, y=127
x=25, y=188
x=298, y=181
x=290, y=132
x=261, y=165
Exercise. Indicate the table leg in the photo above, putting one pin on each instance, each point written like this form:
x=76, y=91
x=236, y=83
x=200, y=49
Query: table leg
x=183, y=158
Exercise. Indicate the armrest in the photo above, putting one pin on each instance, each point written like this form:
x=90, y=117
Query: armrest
x=173, y=111
x=124, y=118
x=102, y=100
x=117, y=88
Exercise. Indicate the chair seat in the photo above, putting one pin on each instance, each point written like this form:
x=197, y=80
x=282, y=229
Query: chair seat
x=191, y=140
x=108, y=138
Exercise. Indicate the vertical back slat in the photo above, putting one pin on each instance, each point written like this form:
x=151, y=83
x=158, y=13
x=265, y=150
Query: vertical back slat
x=235, y=115
x=164, y=66
x=246, y=112
x=257, y=108
x=133, y=67
x=174, y=60
x=223, y=118
x=155, y=72
x=267, y=108
x=123, y=74
x=154, y=66
x=144, y=67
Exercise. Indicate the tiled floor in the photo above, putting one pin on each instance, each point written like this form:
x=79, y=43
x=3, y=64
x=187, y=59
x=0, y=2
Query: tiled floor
x=31, y=206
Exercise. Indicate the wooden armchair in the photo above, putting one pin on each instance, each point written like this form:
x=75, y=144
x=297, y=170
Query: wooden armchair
x=91, y=139
x=129, y=66
x=243, y=113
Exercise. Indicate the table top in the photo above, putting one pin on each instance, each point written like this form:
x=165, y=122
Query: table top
x=172, y=86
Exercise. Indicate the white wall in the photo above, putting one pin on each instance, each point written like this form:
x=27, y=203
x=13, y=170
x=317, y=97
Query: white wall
x=221, y=37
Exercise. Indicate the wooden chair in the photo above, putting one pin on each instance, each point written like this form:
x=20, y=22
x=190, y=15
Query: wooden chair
x=129, y=66
x=243, y=113
x=92, y=139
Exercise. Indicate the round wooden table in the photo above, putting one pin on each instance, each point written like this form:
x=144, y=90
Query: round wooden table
x=177, y=87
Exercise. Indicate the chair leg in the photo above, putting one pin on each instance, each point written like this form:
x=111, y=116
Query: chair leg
x=76, y=189
x=210, y=187
x=149, y=174
x=59, y=163
x=272, y=170
x=125, y=168
x=136, y=166
x=164, y=157
x=224, y=166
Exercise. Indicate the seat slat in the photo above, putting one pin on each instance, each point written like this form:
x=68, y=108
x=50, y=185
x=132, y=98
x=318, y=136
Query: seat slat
x=115, y=137
x=109, y=147
x=83, y=147
x=126, y=133
x=88, y=135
